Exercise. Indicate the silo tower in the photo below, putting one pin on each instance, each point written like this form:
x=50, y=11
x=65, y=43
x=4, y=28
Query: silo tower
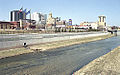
x=102, y=20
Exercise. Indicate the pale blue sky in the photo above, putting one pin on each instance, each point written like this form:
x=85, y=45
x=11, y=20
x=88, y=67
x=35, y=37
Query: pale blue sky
x=77, y=10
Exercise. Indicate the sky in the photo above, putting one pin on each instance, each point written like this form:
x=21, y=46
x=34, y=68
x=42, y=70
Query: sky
x=77, y=10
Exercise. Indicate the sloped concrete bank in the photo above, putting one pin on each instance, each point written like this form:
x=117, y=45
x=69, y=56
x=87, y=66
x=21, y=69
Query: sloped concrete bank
x=75, y=40
x=52, y=45
x=108, y=64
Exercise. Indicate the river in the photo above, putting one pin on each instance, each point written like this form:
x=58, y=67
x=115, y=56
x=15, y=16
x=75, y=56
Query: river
x=60, y=61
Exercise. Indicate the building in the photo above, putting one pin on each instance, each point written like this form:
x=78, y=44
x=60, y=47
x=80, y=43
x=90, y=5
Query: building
x=39, y=18
x=102, y=22
x=35, y=16
x=15, y=25
x=50, y=20
x=43, y=18
x=100, y=25
x=5, y=25
x=94, y=25
x=9, y=25
x=21, y=24
x=70, y=21
x=89, y=25
x=63, y=22
x=16, y=15
x=27, y=24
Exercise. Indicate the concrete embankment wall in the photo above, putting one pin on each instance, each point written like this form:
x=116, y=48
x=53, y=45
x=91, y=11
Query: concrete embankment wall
x=9, y=44
x=19, y=31
x=108, y=64
x=70, y=40
x=69, y=37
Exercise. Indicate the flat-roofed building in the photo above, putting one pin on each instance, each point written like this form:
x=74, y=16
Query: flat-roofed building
x=16, y=15
x=89, y=25
x=9, y=25
x=40, y=19
x=102, y=22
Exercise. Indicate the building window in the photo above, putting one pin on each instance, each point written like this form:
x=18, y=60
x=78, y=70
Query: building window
x=103, y=19
x=11, y=16
x=1, y=26
x=5, y=26
x=100, y=19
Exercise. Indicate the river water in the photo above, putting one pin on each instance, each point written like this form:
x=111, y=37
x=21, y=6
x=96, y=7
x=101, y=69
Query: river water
x=61, y=61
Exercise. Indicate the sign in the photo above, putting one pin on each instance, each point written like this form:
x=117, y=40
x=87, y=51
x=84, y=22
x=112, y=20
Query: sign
x=70, y=21
x=60, y=26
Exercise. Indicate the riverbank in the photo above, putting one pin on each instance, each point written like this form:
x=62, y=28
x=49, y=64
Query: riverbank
x=20, y=31
x=51, y=45
x=108, y=64
x=58, y=44
x=41, y=31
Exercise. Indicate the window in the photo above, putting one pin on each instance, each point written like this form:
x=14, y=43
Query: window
x=1, y=26
x=5, y=26
x=100, y=19
x=103, y=19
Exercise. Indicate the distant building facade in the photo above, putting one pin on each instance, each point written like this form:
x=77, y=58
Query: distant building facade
x=27, y=24
x=9, y=25
x=70, y=21
x=43, y=18
x=50, y=20
x=39, y=18
x=89, y=25
x=100, y=25
x=35, y=16
x=17, y=25
x=102, y=22
x=16, y=15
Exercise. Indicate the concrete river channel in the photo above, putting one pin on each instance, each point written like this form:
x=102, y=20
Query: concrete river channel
x=60, y=61
x=13, y=40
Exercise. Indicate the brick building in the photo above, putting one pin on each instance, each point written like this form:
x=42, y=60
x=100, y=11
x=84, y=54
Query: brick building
x=9, y=25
